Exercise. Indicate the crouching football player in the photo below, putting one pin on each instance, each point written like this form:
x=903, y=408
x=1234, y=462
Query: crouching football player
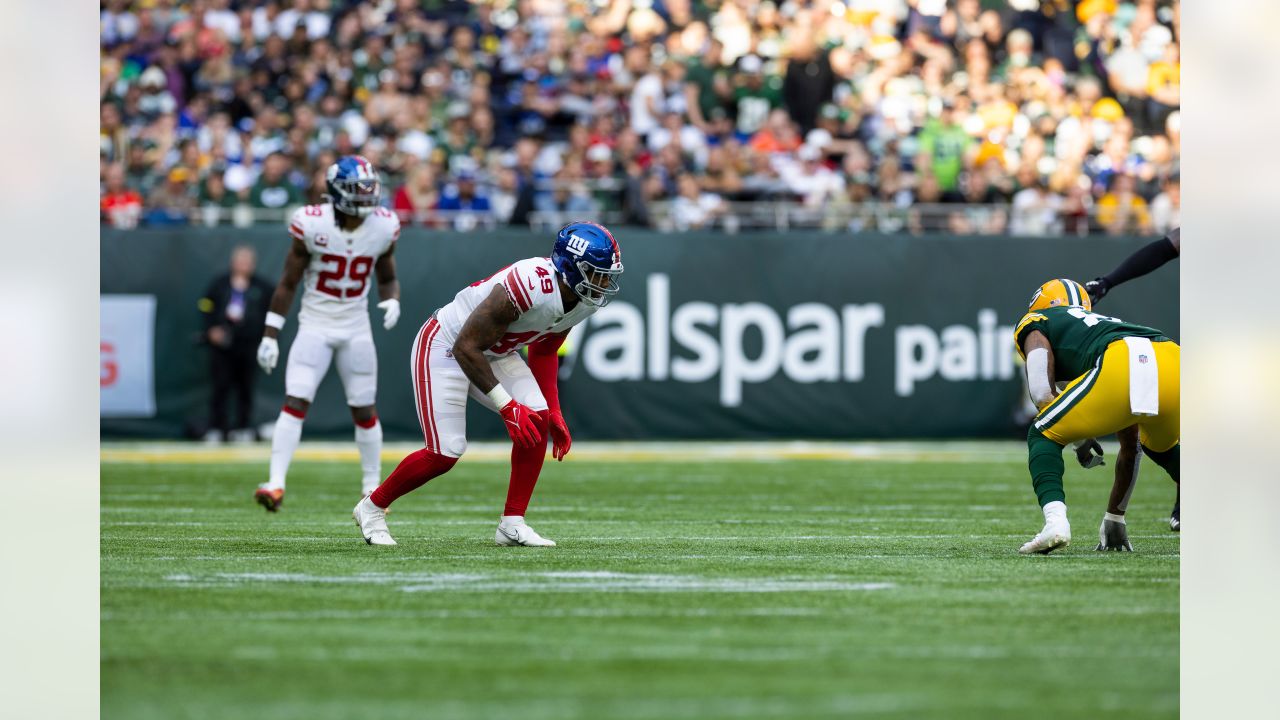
x=1124, y=375
x=468, y=347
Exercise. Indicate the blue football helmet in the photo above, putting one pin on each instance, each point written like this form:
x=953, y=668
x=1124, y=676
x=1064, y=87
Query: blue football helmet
x=589, y=260
x=354, y=188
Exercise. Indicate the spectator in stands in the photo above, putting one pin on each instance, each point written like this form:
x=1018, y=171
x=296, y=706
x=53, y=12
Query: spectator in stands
x=1121, y=211
x=944, y=147
x=417, y=197
x=121, y=206
x=694, y=209
x=462, y=202
x=1166, y=208
x=1164, y=85
x=273, y=190
x=215, y=200
x=172, y=202
x=755, y=96
x=234, y=308
x=226, y=86
x=809, y=79
x=811, y=179
x=1034, y=209
x=568, y=198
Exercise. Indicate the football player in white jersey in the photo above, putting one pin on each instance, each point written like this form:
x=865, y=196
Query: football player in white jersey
x=469, y=347
x=336, y=246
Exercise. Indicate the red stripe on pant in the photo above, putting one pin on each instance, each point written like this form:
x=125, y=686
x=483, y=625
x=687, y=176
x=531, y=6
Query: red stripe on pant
x=423, y=387
x=415, y=357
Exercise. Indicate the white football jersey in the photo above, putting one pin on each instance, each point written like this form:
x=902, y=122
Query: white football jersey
x=336, y=283
x=531, y=285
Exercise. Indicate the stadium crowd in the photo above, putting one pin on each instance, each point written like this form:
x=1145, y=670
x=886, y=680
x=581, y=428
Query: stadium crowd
x=1005, y=116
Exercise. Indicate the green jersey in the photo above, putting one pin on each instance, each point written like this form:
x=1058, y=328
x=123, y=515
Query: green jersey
x=946, y=146
x=755, y=104
x=1077, y=336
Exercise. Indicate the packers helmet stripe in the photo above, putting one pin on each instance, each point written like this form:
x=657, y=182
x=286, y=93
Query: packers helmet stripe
x=1072, y=297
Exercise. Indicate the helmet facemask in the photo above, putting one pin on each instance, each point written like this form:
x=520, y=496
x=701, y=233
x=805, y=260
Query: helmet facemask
x=598, y=285
x=355, y=196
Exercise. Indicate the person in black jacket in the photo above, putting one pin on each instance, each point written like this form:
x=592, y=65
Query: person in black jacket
x=234, y=309
x=809, y=82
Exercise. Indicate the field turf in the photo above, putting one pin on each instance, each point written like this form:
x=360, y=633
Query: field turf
x=683, y=588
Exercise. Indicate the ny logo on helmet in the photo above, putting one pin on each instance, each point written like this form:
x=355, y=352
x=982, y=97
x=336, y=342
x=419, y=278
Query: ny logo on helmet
x=577, y=245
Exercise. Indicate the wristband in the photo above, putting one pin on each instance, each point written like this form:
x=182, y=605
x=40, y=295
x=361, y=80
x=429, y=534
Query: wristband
x=275, y=320
x=499, y=396
x=1113, y=517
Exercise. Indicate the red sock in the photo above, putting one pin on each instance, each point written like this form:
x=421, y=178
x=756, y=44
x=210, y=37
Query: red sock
x=412, y=473
x=526, y=464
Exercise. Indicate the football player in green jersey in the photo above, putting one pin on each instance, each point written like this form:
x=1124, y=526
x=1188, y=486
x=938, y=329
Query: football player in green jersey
x=1125, y=375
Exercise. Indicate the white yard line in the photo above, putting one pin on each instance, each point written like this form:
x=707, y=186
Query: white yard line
x=598, y=451
x=539, y=582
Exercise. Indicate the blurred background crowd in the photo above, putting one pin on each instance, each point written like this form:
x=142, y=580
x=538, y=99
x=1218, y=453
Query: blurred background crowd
x=1026, y=117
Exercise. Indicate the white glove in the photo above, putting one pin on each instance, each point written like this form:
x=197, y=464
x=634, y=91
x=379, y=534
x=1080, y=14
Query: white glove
x=268, y=353
x=392, y=309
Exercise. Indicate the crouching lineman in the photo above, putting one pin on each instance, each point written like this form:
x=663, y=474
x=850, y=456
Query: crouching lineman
x=468, y=347
x=336, y=246
x=1124, y=375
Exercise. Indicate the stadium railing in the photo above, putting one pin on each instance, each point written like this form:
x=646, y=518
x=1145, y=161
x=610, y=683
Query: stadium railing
x=728, y=217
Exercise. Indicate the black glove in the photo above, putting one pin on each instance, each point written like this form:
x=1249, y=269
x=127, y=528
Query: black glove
x=1089, y=453
x=1097, y=289
x=1113, y=535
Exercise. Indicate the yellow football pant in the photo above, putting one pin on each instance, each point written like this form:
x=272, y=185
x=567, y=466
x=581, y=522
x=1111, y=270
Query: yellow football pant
x=1097, y=403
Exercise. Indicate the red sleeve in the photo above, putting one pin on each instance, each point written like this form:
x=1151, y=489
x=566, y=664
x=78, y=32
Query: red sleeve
x=544, y=362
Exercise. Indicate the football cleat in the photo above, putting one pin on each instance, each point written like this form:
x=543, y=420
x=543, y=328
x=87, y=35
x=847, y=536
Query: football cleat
x=269, y=498
x=1175, y=519
x=1056, y=534
x=372, y=521
x=516, y=532
x=1060, y=293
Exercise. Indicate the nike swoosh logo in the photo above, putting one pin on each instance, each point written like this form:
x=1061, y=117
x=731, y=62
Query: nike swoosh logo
x=509, y=536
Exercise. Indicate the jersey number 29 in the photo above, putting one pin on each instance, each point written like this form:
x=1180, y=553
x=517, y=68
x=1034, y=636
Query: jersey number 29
x=357, y=269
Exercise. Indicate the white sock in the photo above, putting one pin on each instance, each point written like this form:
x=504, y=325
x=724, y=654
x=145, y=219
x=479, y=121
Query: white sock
x=512, y=520
x=1055, y=509
x=284, y=442
x=369, y=441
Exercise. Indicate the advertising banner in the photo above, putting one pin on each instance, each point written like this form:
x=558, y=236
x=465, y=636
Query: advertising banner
x=757, y=335
x=126, y=373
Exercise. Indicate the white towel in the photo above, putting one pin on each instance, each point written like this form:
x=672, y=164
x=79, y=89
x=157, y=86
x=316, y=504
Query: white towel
x=1144, y=377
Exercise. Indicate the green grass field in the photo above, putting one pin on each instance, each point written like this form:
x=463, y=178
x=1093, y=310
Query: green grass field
x=693, y=589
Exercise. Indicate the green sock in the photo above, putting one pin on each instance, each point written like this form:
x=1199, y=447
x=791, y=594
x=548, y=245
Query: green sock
x=1044, y=458
x=1167, y=459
